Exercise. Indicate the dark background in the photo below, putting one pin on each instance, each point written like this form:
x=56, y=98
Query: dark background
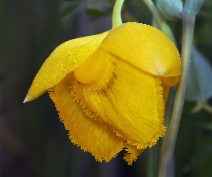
x=33, y=142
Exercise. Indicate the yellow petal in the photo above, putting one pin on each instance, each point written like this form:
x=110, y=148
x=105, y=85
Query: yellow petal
x=170, y=81
x=89, y=72
x=64, y=59
x=128, y=99
x=93, y=136
x=132, y=154
x=144, y=47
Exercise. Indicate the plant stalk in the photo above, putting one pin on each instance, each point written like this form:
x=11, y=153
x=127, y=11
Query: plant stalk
x=116, y=16
x=154, y=12
x=188, y=30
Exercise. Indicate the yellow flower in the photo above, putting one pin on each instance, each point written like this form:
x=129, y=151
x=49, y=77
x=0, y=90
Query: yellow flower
x=110, y=89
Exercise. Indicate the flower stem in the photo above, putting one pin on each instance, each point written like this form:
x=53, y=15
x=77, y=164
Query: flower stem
x=154, y=12
x=188, y=30
x=116, y=17
x=190, y=10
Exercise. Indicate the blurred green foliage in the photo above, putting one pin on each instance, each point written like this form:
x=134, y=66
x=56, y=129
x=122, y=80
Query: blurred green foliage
x=33, y=142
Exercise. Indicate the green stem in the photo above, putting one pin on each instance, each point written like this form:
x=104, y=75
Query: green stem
x=154, y=12
x=188, y=30
x=158, y=20
x=152, y=161
x=168, y=113
x=116, y=17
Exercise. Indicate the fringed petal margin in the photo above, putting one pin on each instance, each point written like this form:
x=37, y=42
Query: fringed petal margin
x=132, y=154
x=64, y=59
x=131, y=101
x=93, y=136
x=144, y=47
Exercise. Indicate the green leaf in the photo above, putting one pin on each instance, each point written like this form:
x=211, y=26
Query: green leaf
x=95, y=13
x=197, y=159
x=199, y=86
x=70, y=7
x=111, y=1
x=206, y=126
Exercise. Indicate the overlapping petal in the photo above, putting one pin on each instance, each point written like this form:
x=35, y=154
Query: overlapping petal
x=110, y=89
x=144, y=47
x=128, y=99
x=93, y=136
x=64, y=59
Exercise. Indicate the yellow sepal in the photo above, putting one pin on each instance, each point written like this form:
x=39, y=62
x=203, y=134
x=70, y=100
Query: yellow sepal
x=64, y=59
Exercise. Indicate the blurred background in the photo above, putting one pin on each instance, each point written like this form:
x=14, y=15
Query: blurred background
x=33, y=141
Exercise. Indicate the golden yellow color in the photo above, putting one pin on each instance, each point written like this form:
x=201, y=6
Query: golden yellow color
x=110, y=89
